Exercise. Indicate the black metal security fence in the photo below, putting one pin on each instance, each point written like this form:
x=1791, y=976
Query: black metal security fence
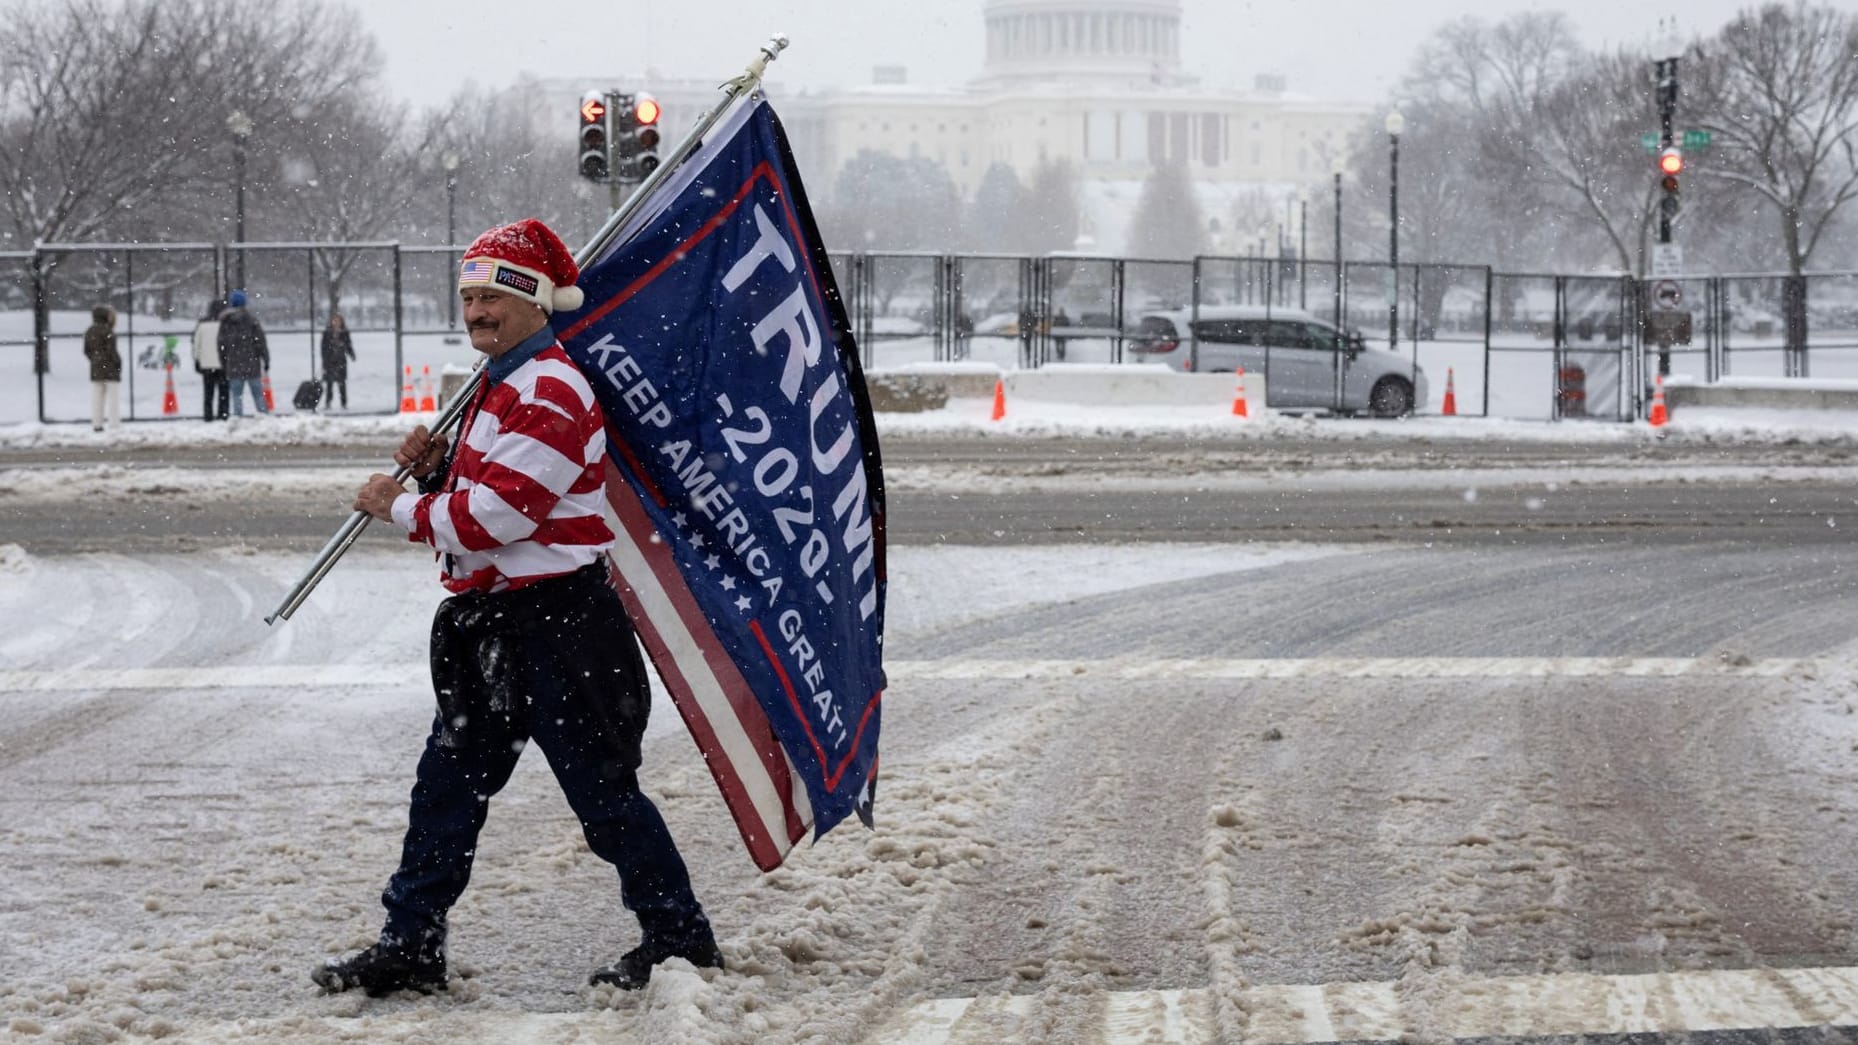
x=1513, y=345
x=399, y=304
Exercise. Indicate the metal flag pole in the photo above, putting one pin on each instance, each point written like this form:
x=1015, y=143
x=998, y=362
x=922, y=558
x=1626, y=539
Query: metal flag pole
x=351, y=530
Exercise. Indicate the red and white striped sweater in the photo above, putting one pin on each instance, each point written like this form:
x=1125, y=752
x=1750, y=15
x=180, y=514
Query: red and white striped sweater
x=523, y=501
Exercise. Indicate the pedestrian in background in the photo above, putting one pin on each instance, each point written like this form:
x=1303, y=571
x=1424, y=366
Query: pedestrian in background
x=338, y=349
x=207, y=364
x=106, y=367
x=243, y=350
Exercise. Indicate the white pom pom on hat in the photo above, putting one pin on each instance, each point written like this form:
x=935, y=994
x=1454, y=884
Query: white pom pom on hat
x=527, y=260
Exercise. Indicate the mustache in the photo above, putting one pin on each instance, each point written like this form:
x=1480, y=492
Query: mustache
x=482, y=324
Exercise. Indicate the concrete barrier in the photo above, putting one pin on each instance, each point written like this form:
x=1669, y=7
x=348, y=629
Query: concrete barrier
x=921, y=387
x=1761, y=393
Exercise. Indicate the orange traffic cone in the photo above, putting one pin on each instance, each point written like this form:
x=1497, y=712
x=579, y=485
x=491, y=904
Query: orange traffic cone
x=1239, y=408
x=407, y=405
x=270, y=400
x=170, y=405
x=1450, y=408
x=999, y=398
x=1659, y=414
x=425, y=386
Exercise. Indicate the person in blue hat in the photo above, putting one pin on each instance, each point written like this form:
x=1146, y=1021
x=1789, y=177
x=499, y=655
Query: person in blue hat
x=243, y=353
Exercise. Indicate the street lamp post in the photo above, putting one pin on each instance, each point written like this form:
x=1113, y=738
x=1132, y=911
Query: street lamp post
x=1262, y=274
x=1338, y=248
x=1396, y=124
x=1303, y=248
x=450, y=162
x=241, y=127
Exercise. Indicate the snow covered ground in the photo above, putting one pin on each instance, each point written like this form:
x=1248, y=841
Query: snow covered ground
x=177, y=874
x=194, y=807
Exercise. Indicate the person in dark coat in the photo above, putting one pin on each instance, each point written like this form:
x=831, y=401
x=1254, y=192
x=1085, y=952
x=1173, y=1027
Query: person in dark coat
x=243, y=351
x=338, y=349
x=207, y=364
x=106, y=367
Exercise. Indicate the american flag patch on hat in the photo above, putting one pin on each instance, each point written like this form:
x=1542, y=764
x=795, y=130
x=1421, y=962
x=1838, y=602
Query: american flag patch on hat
x=477, y=270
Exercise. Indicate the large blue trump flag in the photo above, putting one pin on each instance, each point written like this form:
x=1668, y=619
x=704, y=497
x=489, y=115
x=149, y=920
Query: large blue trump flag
x=746, y=480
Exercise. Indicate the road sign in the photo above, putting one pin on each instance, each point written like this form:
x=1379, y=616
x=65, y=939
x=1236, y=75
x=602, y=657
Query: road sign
x=1667, y=295
x=1693, y=140
x=1667, y=261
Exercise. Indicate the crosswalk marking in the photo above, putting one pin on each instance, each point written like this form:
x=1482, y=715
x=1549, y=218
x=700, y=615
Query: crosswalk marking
x=1136, y=668
x=291, y=676
x=1444, y=1004
x=1453, y=1005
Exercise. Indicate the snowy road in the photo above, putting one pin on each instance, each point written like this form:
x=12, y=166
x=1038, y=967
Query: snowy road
x=1165, y=792
x=289, y=498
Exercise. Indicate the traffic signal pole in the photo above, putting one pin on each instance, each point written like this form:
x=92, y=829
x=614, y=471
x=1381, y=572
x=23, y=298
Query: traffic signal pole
x=1667, y=144
x=1666, y=325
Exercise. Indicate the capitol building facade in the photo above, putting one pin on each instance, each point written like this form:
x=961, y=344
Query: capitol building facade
x=1097, y=83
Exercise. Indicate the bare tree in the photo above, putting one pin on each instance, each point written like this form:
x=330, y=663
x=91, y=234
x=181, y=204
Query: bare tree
x=349, y=173
x=1777, y=89
x=114, y=109
x=1539, y=134
x=515, y=162
x=1589, y=129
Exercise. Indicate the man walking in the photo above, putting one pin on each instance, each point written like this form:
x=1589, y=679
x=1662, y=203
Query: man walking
x=244, y=354
x=534, y=644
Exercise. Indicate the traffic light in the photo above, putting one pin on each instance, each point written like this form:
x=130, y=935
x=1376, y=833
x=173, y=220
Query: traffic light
x=645, y=113
x=595, y=137
x=1670, y=165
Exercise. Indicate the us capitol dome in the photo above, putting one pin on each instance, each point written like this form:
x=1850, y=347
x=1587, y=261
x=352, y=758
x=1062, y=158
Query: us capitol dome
x=1105, y=43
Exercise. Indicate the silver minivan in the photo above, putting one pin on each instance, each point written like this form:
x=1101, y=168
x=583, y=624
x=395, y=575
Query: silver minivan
x=1297, y=353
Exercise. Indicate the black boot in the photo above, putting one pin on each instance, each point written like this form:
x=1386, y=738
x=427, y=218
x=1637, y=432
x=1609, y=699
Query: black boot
x=634, y=969
x=383, y=970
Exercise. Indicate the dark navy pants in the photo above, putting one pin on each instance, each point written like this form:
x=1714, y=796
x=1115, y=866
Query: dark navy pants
x=520, y=684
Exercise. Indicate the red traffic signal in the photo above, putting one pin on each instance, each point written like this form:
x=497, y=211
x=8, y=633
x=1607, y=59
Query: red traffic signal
x=1671, y=161
x=595, y=162
x=646, y=112
x=593, y=109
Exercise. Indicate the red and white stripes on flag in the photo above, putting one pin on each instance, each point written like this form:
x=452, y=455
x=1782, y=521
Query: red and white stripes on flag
x=764, y=794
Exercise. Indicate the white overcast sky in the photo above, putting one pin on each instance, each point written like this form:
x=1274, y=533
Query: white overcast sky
x=1343, y=50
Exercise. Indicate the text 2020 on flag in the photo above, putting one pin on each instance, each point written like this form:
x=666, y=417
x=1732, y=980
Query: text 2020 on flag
x=746, y=480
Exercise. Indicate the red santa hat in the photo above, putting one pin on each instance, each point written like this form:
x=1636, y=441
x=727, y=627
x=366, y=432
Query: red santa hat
x=524, y=259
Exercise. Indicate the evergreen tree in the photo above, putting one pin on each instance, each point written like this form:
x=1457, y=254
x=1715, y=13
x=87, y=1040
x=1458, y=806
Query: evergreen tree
x=997, y=213
x=1050, y=219
x=884, y=202
x=1167, y=222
